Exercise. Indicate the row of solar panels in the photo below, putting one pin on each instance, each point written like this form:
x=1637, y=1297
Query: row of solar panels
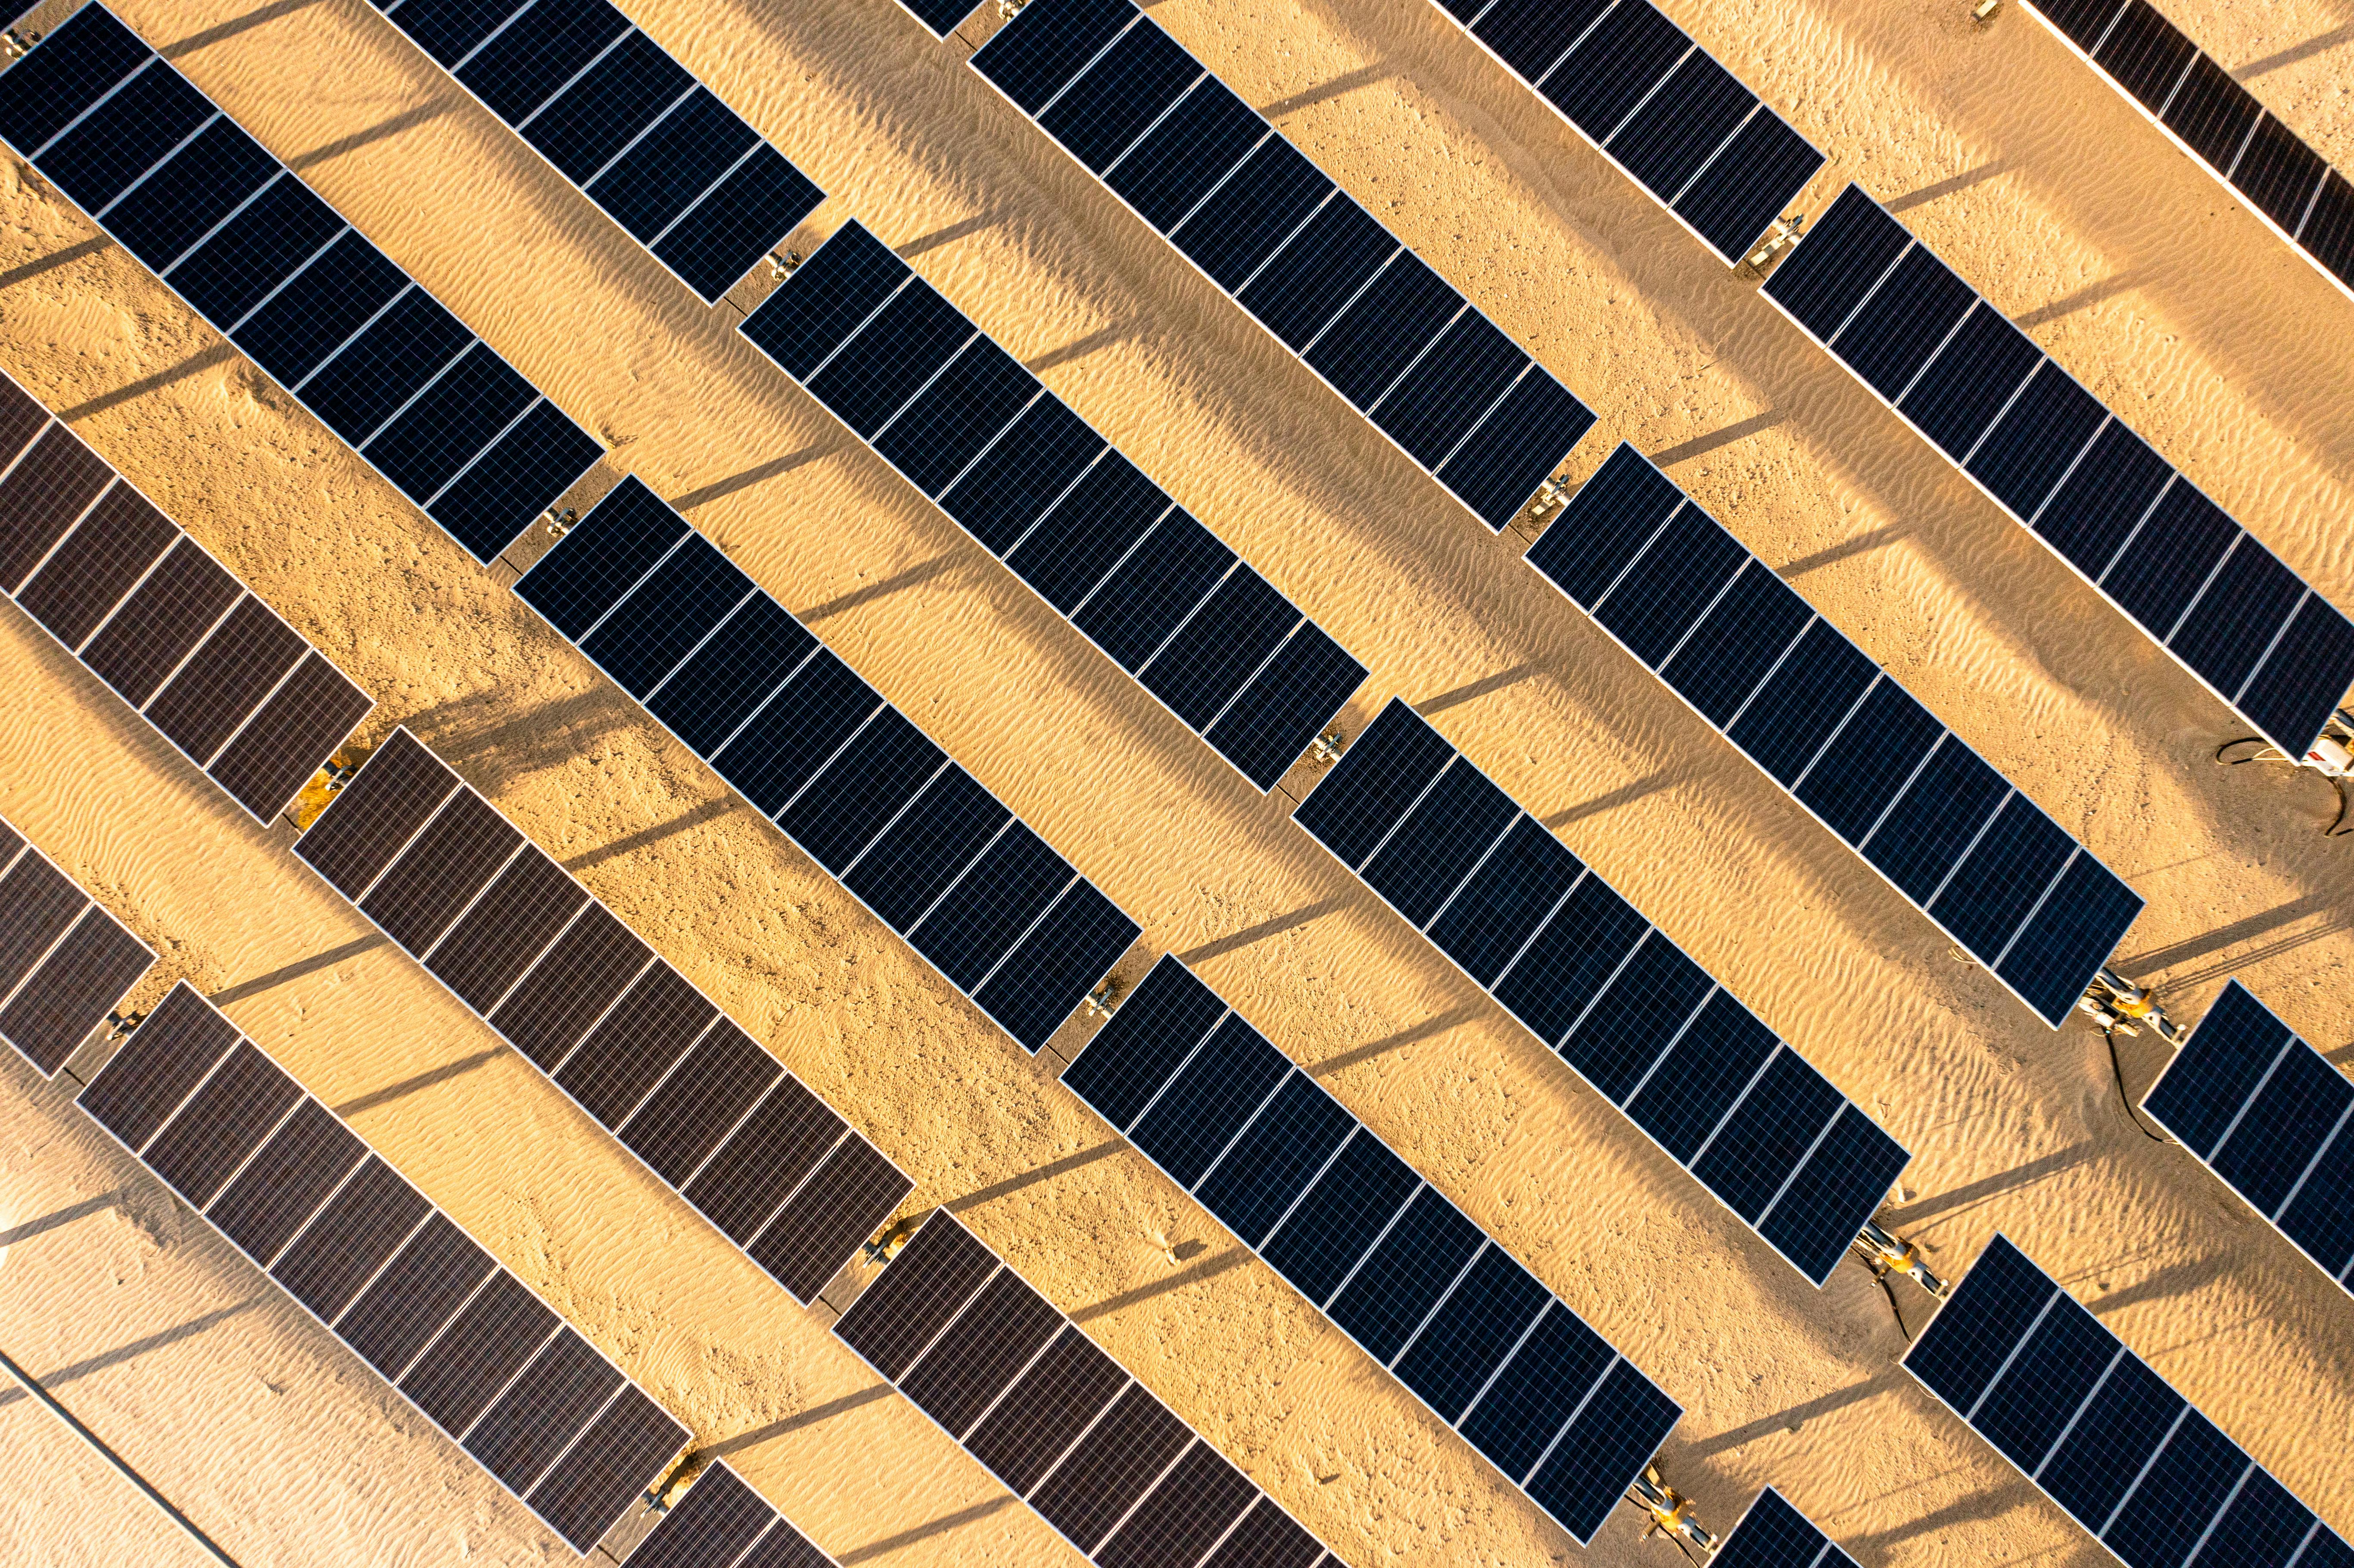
x=64, y=961
x=148, y=611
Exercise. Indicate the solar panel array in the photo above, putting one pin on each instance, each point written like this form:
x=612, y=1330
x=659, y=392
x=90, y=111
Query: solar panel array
x=2087, y=1421
x=150, y=612
x=621, y=1032
x=846, y=776
x=1588, y=975
x=723, y=1523
x=1208, y=171
x=1016, y=1384
x=1657, y=105
x=625, y=123
x=1773, y=1534
x=2033, y=438
x=277, y=271
x=2269, y=1113
x=2207, y=111
x=463, y=1341
x=64, y=961
x=1812, y=709
x=1382, y=1253
x=963, y=422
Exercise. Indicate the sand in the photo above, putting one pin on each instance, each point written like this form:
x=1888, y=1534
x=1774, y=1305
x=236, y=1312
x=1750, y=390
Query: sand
x=2222, y=348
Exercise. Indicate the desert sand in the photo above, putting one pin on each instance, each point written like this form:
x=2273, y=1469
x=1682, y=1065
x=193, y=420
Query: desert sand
x=2222, y=348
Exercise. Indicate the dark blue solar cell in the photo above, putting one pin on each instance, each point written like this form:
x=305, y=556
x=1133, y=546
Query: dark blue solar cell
x=1336, y=1223
x=1804, y=703
x=666, y=615
x=2195, y=1473
x=1231, y=235
x=2201, y=1091
x=1883, y=741
x=75, y=64
x=1211, y=1098
x=1570, y=958
x=1377, y=779
x=390, y=362
x=1385, y=329
x=728, y=677
x=1670, y=585
x=789, y=738
x=1317, y=273
x=946, y=426
x=536, y=459
x=310, y=318
x=1933, y=822
x=1286, y=705
x=1531, y=1400
x=124, y=137
x=989, y=908
x=2088, y=1474
x=1470, y=366
x=1276, y=1158
x=546, y=46
x=450, y=30
x=1146, y=597
x=2003, y=878
x=2237, y=615
x=1740, y=639
x=2262, y=1528
x=1758, y=175
x=1098, y=521
x=1471, y=1333
x=203, y=184
x=1839, y=261
x=1703, y=1074
x=652, y=185
x=918, y=856
x=886, y=364
x=1230, y=636
x=428, y=443
x=1496, y=912
x=1406, y=1275
x=2320, y=1217
x=228, y=274
x=2034, y=1400
x=587, y=125
x=1773, y=1534
x=2098, y=506
x=2301, y=682
x=1030, y=61
x=2022, y=458
x=1643, y=1009
x=940, y=15
x=1445, y=834
x=1515, y=447
x=1680, y=128
x=1606, y=526
x=600, y=558
x=1756, y=1150
x=1841, y=1185
x=1892, y=336
x=1076, y=944
x=1606, y=1448
x=1118, y=96
x=1967, y=1343
x=1000, y=496
x=725, y=233
x=2300, y=1104
x=2072, y=935
x=855, y=796
x=2171, y=558
x=843, y=281
x=1530, y=36
x=1629, y=51
x=1966, y=385
x=1172, y=166
x=1150, y=1035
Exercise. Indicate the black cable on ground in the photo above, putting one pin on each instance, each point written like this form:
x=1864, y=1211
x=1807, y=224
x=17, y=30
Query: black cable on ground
x=2117, y=1071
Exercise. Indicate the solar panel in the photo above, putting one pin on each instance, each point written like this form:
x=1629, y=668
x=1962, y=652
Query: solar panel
x=276, y=270
x=2202, y=107
x=224, y=679
x=1712, y=620
x=1659, y=107
x=625, y=124
x=1773, y=1534
x=370, y=1257
x=1210, y=175
x=626, y=1037
x=1768, y=1136
x=961, y=419
x=2267, y=1113
x=2106, y=1437
x=1382, y=1253
x=844, y=775
x=2048, y=451
x=65, y=962
x=1014, y=1381
x=723, y=1523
